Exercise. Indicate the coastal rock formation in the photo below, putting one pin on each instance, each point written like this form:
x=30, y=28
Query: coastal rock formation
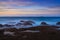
x=7, y=25
x=10, y=29
x=22, y=21
x=44, y=23
x=46, y=29
x=1, y=25
x=33, y=33
x=29, y=23
x=18, y=24
x=25, y=23
x=7, y=33
x=1, y=33
x=58, y=23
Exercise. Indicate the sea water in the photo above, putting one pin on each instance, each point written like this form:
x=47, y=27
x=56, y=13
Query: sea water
x=37, y=20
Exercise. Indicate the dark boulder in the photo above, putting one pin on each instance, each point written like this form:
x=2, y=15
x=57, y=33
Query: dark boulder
x=22, y=21
x=44, y=23
x=58, y=23
x=18, y=24
x=1, y=25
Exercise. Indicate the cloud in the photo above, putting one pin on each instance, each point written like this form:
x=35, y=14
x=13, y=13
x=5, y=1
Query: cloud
x=27, y=7
x=19, y=3
x=15, y=4
x=25, y=11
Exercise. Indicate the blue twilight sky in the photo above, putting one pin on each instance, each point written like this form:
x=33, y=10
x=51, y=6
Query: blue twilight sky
x=29, y=7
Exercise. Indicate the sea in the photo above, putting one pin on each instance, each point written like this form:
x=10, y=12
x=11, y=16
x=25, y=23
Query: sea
x=37, y=20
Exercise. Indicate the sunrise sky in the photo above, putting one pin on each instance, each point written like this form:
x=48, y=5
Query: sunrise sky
x=29, y=7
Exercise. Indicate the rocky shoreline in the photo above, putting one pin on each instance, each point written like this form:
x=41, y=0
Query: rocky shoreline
x=42, y=32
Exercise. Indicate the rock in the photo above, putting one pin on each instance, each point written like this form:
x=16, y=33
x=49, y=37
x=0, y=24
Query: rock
x=25, y=23
x=9, y=33
x=28, y=23
x=58, y=23
x=22, y=21
x=18, y=24
x=25, y=36
x=1, y=25
x=1, y=32
x=7, y=25
x=11, y=29
x=44, y=23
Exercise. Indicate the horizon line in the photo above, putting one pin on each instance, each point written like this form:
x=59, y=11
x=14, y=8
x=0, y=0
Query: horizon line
x=30, y=16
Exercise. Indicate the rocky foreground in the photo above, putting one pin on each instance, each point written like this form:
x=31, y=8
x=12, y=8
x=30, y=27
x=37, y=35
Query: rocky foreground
x=41, y=32
x=32, y=33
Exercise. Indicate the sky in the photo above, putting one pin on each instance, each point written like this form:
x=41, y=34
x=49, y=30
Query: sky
x=30, y=8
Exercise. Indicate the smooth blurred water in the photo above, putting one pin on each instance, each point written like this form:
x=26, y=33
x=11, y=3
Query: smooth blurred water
x=37, y=20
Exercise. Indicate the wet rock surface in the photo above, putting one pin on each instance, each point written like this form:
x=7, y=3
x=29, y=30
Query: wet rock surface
x=45, y=33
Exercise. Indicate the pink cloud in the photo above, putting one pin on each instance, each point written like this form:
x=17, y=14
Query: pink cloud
x=16, y=4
